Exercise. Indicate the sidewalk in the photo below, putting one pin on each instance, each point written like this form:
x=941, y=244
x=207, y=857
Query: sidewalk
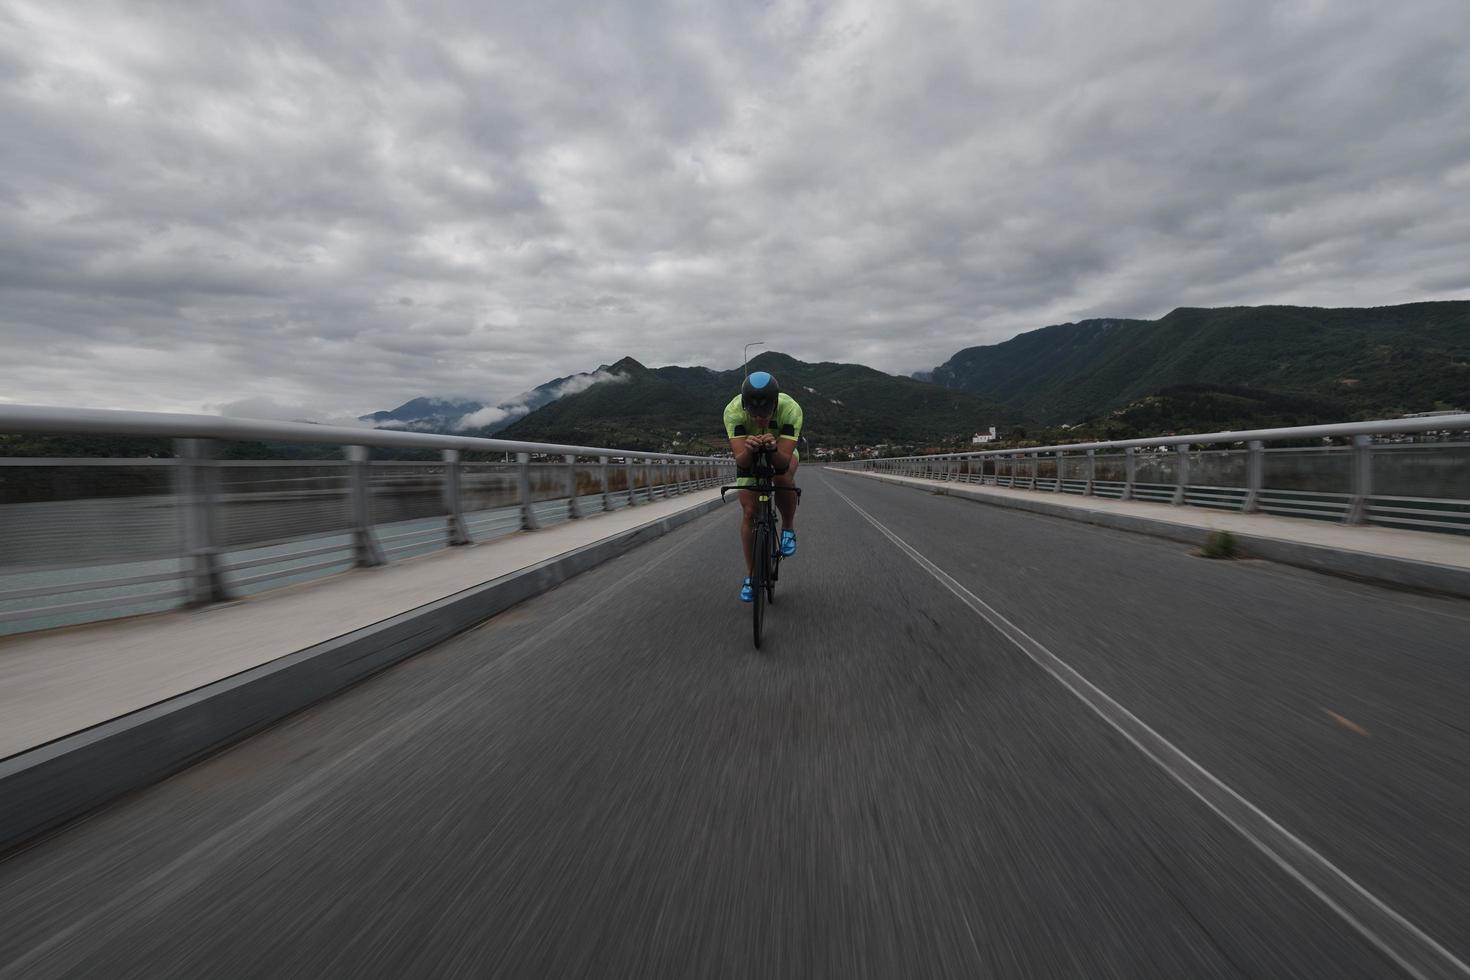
x=1412, y=559
x=63, y=681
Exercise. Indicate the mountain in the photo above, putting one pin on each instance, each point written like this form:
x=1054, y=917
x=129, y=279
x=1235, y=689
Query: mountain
x=1212, y=408
x=446, y=415
x=430, y=414
x=843, y=405
x=1382, y=361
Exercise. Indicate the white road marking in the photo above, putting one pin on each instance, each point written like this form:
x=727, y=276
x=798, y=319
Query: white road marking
x=1398, y=938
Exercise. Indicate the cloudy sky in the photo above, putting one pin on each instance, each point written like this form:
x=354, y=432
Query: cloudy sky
x=292, y=208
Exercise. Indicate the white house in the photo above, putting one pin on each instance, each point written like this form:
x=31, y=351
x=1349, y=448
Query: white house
x=984, y=436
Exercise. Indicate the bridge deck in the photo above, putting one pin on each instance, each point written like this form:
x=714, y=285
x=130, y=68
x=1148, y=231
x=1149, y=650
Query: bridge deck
x=608, y=781
x=63, y=681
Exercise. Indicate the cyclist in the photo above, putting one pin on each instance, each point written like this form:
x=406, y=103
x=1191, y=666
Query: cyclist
x=763, y=415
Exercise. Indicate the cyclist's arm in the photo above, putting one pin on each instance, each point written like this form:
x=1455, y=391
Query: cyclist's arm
x=790, y=435
x=743, y=457
x=744, y=448
x=782, y=457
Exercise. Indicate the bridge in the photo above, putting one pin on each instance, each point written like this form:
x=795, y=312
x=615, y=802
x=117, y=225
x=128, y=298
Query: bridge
x=1008, y=720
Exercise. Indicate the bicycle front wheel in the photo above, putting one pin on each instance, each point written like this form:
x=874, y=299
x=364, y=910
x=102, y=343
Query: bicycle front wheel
x=760, y=546
x=773, y=560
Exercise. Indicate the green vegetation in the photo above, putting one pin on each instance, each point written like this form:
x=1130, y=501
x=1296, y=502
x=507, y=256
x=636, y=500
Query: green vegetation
x=1360, y=363
x=1220, y=544
x=680, y=408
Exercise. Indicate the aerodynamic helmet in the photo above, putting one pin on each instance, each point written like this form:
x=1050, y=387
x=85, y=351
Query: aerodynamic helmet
x=759, y=394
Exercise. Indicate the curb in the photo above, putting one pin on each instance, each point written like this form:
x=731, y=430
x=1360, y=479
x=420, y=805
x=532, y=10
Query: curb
x=47, y=786
x=1363, y=566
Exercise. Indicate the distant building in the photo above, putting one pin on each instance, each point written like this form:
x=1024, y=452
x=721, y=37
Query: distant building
x=984, y=437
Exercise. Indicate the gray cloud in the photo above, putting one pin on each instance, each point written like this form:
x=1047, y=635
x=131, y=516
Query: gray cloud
x=272, y=205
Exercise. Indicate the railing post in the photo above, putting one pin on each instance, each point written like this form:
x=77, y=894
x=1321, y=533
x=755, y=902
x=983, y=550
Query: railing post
x=1091, y=473
x=365, y=550
x=528, y=510
x=453, y=503
x=1130, y=472
x=1058, y=487
x=1357, y=512
x=195, y=483
x=573, y=511
x=1255, y=468
x=632, y=481
x=1181, y=475
x=602, y=479
x=1035, y=469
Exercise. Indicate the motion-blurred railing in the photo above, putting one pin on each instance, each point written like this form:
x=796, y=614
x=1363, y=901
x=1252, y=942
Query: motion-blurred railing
x=83, y=539
x=1407, y=473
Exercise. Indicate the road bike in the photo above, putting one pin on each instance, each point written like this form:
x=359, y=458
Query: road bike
x=765, y=540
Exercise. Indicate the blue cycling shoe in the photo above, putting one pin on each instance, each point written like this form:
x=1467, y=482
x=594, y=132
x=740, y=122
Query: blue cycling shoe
x=788, y=544
x=747, y=594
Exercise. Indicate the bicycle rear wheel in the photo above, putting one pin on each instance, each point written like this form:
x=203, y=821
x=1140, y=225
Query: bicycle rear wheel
x=761, y=548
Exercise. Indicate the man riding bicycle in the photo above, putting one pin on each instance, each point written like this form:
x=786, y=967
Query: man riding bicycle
x=764, y=417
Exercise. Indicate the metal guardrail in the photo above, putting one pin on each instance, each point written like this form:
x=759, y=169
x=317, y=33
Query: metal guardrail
x=1378, y=473
x=85, y=539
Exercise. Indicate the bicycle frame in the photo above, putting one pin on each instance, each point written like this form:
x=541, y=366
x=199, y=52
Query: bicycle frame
x=765, y=538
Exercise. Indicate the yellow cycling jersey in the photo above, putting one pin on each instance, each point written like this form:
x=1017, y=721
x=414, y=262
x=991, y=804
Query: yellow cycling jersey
x=785, y=424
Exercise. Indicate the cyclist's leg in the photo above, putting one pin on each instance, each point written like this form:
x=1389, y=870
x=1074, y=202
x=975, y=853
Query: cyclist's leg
x=786, y=502
x=748, y=506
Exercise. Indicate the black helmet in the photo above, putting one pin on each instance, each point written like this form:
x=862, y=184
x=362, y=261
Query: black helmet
x=759, y=394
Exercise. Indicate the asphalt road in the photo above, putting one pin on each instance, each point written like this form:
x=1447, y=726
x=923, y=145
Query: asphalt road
x=609, y=781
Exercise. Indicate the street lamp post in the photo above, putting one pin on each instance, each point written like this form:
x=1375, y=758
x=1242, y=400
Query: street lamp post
x=745, y=354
